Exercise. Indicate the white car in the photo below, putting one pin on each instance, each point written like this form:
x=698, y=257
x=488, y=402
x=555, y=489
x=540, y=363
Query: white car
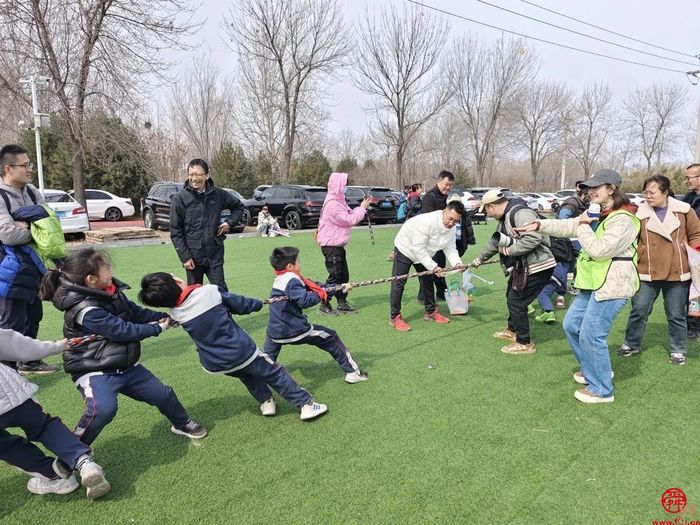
x=544, y=200
x=105, y=205
x=530, y=201
x=637, y=198
x=73, y=217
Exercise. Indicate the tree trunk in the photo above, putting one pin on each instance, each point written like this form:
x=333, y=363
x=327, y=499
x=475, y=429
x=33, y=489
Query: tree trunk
x=78, y=162
x=399, y=168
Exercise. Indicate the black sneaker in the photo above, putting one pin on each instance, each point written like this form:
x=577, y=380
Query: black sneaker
x=36, y=367
x=345, y=308
x=191, y=429
x=627, y=351
x=693, y=335
x=327, y=309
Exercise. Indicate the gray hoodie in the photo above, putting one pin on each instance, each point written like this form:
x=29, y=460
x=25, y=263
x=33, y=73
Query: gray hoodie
x=14, y=389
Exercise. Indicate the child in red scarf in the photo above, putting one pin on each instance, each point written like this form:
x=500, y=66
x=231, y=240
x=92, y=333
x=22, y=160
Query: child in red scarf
x=289, y=325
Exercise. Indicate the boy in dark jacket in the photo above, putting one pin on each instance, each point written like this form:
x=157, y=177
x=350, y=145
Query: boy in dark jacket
x=223, y=346
x=289, y=325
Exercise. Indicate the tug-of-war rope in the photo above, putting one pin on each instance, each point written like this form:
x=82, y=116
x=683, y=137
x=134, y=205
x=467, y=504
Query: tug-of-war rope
x=78, y=341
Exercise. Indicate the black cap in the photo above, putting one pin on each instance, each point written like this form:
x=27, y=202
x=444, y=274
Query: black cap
x=601, y=177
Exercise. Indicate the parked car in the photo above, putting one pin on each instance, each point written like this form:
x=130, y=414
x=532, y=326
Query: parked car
x=382, y=207
x=637, y=198
x=544, y=200
x=294, y=206
x=155, y=208
x=564, y=194
x=105, y=205
x=530, y=201
x=467, y=198
x=73, y=217
x=257, y=191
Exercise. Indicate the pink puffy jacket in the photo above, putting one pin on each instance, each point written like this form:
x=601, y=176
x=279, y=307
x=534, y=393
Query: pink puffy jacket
x=336, y=216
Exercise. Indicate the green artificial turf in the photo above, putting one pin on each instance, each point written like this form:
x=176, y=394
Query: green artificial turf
x=447, y=430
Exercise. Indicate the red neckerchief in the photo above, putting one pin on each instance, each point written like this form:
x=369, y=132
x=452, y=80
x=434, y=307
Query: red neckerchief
x=186, y=291
x=310, y=285
x=111, y=289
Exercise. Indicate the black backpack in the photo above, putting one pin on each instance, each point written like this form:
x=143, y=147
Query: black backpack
x=561, y=248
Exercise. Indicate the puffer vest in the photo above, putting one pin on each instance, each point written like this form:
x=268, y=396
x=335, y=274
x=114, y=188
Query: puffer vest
x=100, y=355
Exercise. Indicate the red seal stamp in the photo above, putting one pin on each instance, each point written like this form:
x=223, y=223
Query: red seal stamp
x=674, y=500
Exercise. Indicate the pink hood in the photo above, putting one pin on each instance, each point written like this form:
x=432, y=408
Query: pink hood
x=336, y=216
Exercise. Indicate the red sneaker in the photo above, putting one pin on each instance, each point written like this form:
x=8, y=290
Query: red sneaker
x=437, y=317
x=398, y=323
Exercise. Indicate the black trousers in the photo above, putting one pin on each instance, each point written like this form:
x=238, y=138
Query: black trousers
x=517, y=302
x=337, y=267
x=440, y=283
x=213, y=269
x=402, y=265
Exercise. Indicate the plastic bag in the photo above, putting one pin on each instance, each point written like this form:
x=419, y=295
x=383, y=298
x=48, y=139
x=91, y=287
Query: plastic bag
x=456, y=299
x=694, y=293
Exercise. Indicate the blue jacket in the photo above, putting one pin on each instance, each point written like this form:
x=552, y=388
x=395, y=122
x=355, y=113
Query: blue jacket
x=222, y=345
x=21, y=271
x=287, y=320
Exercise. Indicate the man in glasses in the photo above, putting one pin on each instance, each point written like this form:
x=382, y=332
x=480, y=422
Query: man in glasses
x=692, y=182
x=20, y=308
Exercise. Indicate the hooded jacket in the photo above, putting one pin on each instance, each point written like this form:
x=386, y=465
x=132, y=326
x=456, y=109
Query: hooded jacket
x=222, y=345
x=120, y=323
x=195, y=218
x=15, y=389
x=336, y=216
x=661, y=252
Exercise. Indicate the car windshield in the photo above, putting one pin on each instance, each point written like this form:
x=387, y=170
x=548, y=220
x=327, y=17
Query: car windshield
x=381, y=193
x=316, y=195
x=58, y=197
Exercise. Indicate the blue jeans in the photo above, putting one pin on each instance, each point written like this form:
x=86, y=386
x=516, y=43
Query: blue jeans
x=555, y=284
x=675, y=305
x=587, y=324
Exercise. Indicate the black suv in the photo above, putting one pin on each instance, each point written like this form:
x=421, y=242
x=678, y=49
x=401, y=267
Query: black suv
x=155, y=208
x=382, y=207
x=295, y=206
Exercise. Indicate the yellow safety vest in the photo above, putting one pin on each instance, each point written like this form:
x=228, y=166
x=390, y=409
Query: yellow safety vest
x=591, y=274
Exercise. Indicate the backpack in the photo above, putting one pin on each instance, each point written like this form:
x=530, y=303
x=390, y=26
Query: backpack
x=561, y=248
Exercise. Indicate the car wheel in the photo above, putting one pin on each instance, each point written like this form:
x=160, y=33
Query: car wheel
x=149, y=220
x=540, y=207
x=113, y=214
x=247, y=219
x=292, y=220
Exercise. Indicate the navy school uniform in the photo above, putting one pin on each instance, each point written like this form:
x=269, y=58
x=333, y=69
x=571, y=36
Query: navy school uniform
x=225, y=348
x=108, y=366
x=289, y=326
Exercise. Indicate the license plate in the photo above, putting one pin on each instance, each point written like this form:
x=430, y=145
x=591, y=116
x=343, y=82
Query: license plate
x=386, y=204
x=61, y=214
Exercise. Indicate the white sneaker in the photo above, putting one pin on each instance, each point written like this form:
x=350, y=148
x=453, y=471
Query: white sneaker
x=268, y=408
x=93, y=479
x=39, y=485
x=356, y=377
x=312, y=410
x=578, y=377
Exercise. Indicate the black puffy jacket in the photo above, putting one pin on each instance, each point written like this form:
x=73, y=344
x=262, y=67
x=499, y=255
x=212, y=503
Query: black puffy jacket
x=100, y=354
x=195, y=218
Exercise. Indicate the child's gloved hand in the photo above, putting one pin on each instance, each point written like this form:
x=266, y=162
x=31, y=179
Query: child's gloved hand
x=347, y=287
x=258, y=305
x=64, y=343
x=164, y=324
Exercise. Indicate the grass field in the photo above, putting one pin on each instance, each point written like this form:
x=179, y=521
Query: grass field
x=476, y=437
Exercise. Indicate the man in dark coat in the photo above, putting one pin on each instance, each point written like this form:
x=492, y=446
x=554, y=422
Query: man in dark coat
x=196, y=229
x=692, y=181
x=433, y=200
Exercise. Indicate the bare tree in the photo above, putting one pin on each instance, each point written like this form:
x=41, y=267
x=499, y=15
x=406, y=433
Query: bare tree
x=201, y=107
x=305, y=41
x=541, y=115
x=485, y=79
x=589, y=124
x=396, y=61
x=91, y=49
x=654, y=114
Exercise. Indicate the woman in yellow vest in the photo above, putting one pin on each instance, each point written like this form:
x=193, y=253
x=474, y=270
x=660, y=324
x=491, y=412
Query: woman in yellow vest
x=606, y=276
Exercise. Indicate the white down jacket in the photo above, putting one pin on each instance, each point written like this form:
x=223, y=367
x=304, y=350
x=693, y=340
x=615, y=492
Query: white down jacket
x=15, y=389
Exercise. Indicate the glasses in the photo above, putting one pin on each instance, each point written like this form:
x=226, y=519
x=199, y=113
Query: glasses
x=652, y=193
x=688, y=179
x=26, y=165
